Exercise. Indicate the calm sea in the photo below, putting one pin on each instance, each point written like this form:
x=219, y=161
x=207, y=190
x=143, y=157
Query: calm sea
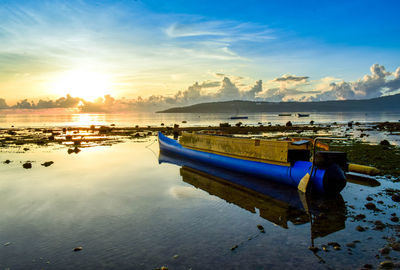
x=128, y=208
x=38, y=119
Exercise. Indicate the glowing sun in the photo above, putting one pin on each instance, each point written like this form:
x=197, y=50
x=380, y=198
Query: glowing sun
x=84, y=84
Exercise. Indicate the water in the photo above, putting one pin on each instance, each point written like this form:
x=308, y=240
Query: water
x=56, y=118
x=129, y=211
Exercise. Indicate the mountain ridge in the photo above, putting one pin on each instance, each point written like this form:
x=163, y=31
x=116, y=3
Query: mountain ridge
x=386, y=103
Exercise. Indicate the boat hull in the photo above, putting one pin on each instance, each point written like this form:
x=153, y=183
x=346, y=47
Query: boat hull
x=330, y=180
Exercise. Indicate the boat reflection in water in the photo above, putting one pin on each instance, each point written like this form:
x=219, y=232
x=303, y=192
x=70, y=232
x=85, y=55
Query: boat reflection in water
x=276, y=203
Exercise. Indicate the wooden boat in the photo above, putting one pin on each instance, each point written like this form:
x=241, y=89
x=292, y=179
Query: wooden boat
x=285, y=114
x=239, y=117
x=282, y=161
x=303, y=115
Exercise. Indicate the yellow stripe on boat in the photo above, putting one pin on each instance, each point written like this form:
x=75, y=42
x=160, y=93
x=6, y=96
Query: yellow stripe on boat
x=268, y=151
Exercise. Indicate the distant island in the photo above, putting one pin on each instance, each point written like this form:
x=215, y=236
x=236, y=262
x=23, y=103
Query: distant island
x=386, y=103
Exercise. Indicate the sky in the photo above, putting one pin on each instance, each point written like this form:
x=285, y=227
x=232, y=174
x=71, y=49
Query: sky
x=167, y=53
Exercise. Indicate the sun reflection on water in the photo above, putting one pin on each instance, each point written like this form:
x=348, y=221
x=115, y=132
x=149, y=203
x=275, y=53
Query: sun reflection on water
x=85, y=119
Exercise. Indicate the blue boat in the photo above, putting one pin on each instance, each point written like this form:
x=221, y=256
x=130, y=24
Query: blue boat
x=330, y=179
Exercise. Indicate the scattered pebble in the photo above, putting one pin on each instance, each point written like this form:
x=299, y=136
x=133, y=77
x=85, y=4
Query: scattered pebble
x=176, y=256
x=385, y=143
x=384, y=251
x=351, y=245
x=47, y=163
x=386, y=264
x=368, y=266
x=360, y=217
x=78, y=249
x=394, y=219
x=27, y=165
x=369, y=198
x=7, y=161
x=396, y=246
x=360, y=228
x=370, y=206
x=234, y=247
x=261, y=228
x=396, y=197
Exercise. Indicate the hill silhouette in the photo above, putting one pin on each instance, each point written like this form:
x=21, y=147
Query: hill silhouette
x=386, y=103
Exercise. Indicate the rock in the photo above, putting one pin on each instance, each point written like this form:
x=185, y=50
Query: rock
x=384, y=251
x=334, y=244
x=394, y=219
x=47, y=163
x=289, y=124
x=162, y=124
x=261, y=228
x=396, y=197
x=384, y=143
x=76, y=150
x=359, y=217
x=360, y=228
x=368, y=266
x=184, y=121
x=380, y=202
x=351, y=245
x=176, y=256
x=234, y=247
x=369, y=198
x=336, y=247
x=379, y=225
x=7, y=161
x=312, y=122
x=27, y=165
x=396, y=246
x=238, y=124
x=370, y=206
x=78, y=249
x=7, y=244
x=386, y=264
x=313, y=249
x=26, y=149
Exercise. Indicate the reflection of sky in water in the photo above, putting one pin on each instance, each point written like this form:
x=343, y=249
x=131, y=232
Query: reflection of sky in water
x=193, y=119
x=127, y=211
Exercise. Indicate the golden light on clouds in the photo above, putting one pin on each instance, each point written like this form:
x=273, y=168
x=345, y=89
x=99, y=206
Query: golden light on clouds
x=88, y=85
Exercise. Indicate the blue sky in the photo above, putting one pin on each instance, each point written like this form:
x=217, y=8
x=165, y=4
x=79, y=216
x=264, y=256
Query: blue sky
x=143, y=48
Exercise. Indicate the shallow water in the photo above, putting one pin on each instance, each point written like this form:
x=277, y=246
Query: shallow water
x=128, y=211
x=51, y=119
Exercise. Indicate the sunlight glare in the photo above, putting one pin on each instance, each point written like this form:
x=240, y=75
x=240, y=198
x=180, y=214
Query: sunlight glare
x=81, y=83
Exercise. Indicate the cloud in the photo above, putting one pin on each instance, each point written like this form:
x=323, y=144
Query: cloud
x=3, y=104
x=292, y=88
x=290, y=78
x=253, y=92
x=370, y=86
